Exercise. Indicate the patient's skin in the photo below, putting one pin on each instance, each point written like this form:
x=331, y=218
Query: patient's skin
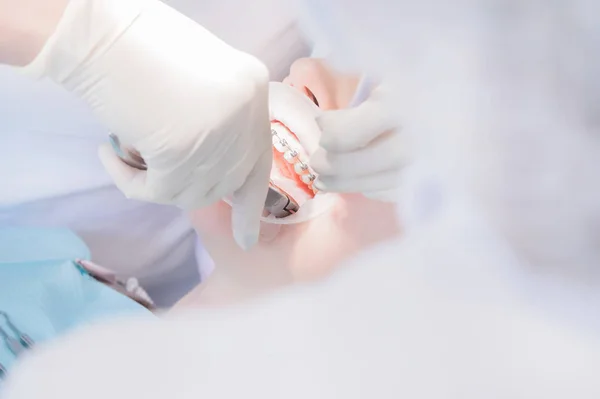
x=332, y=89
x=300, y=252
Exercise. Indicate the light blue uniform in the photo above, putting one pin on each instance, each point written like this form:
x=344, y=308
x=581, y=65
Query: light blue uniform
x=44, y=291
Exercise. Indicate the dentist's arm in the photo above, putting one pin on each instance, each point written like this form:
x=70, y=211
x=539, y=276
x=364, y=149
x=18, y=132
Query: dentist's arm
x=194, y=107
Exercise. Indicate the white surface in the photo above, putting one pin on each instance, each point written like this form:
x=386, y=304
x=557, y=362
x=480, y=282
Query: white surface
x=396, y=326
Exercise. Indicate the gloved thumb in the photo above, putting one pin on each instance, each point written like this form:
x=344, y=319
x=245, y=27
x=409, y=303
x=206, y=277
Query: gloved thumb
x=350, y=129
x=130, y=181
x=248, y=203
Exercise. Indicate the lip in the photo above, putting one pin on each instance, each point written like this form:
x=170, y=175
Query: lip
x=311, y=96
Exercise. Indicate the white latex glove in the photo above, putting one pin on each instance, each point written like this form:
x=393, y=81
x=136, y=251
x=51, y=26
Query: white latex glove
x=361, y=150
x=194, y=107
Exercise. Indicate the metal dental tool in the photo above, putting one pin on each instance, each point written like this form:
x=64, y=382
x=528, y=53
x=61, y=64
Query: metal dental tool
x=13, y=345
x=277, y=203
x=127, y=155
x=24, y=340
x=280, y=204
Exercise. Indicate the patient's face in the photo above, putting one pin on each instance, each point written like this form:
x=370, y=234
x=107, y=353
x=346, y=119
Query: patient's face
x=302, y=251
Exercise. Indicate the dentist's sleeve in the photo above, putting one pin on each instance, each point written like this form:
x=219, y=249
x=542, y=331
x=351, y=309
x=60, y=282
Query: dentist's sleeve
x=194, y=107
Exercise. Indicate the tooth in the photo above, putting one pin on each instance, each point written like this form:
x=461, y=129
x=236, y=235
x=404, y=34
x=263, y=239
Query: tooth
x=307, y=179
x=290, y=156
x=300, y=167
x=279, y=145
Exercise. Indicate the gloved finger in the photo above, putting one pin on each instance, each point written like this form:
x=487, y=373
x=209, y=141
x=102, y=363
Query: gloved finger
x=179, y=181
x=390, y=195
x=269, y=232
x=194, y=197
x=195, y=192
x=282, y=98
x=350, y=129
x=359, y=184
x=248, y=203
x=386, y=152
x=130, y=181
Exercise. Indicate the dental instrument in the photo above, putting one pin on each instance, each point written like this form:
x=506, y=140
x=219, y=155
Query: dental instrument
x=129, y=287
x=13, y=345
x=128, y=155
x=25, y=340
x=279, y=204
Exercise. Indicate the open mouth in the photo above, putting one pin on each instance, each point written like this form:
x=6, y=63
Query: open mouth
x=291, y=172
x=295, y=137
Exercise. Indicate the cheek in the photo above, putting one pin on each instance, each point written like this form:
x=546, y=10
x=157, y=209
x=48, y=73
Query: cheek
x=322, y=245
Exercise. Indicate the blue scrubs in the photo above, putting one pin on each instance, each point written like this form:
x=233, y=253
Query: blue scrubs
x=43, y=290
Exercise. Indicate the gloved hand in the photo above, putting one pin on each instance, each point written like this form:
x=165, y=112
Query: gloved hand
x=362, y=150
x=195, y=108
